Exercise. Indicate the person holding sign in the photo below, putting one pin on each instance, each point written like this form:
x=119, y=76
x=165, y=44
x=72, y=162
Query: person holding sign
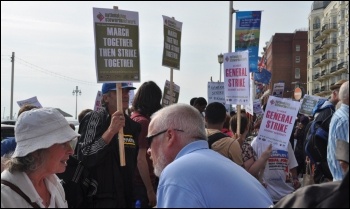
x=98, y=149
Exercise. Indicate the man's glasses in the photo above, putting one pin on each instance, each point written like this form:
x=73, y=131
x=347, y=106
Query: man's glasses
x=150, y=138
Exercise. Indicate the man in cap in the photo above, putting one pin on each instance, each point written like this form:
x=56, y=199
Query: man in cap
x=338, y=130
x=98, y=149
x=323, y=117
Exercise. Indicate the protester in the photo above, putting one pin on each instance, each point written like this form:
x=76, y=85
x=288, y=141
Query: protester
x=43, y=147
x=82, y=114
x=280, y=174
x=254, y=165
x=191, y=174
x=200, y=104
x=226, y=127
x=322, y=172
x=146, y=101
x=215, y=115
x=338, y=130
x=98, y=149
x=299, y=151
x=8, y=145
x=192, y=101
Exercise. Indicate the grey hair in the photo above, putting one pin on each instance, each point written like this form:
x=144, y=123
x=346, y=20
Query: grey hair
x=183, y=117
x=28, y=163
x=344, y=93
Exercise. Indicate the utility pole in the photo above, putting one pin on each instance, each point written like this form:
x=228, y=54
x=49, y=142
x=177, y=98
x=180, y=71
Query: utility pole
x=75, y=92
x=12, y=75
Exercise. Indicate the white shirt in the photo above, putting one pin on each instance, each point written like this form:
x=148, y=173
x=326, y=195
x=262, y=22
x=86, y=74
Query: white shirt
x=277, y=168
x=11, y=199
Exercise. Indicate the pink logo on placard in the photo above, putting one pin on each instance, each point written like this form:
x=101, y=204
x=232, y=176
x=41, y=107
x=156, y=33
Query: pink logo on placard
x=100, y=16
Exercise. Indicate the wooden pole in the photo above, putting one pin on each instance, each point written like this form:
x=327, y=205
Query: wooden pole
x=121, y=131
x=171, y=86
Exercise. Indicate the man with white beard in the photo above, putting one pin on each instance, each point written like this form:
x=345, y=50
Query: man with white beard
x=191, y=174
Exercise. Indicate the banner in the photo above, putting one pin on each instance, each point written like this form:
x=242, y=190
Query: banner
x=247, y=36
x=117, y=53
x=172, y=43
x=236, y=77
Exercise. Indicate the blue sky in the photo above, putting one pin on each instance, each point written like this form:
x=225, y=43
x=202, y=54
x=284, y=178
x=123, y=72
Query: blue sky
x=54, y=46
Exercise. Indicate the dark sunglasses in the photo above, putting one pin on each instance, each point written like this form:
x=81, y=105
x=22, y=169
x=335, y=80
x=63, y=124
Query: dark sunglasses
x=150, y=138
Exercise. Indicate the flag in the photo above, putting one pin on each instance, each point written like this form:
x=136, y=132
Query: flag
x=262, y=63
x=263, y=77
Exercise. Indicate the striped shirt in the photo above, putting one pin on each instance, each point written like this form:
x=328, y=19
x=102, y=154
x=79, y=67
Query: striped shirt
x=338, y=130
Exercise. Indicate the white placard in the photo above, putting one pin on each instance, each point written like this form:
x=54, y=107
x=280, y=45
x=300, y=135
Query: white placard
x=278, y=121
x=236, y=77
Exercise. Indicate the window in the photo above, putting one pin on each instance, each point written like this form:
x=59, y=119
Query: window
x=297, y=73
x=341, y=47
x=342, y=30
x=342, y=14
x=297, y=59
x=297, y=48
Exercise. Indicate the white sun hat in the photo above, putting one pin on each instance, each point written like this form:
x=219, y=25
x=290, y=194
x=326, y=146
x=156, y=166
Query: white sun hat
x=39, y=129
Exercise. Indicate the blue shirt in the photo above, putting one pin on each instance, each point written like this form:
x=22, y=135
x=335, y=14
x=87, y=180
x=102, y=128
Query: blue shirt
x=338, y=130
x=8, y=145
x=201, y=177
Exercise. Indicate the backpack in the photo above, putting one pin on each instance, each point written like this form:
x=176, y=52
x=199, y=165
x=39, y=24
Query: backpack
x=215, y=137
x=317, y=140
x=78, y=185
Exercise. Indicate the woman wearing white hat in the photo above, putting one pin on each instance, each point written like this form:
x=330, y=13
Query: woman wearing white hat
x=43, y=139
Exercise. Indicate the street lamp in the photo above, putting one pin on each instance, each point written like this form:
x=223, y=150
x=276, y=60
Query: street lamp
x=220, y=60
x=76, y=91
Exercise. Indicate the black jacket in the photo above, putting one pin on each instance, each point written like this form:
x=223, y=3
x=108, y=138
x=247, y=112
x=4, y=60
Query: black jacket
x=114, y=181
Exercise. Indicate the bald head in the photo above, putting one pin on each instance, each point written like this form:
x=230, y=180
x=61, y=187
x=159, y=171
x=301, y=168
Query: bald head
x=344, y=93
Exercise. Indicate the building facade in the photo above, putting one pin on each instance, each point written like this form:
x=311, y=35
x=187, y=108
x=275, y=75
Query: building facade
x=286, y=59
x=328, y=46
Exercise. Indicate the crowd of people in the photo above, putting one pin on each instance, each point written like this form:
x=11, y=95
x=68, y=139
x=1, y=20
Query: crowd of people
x=181, y=155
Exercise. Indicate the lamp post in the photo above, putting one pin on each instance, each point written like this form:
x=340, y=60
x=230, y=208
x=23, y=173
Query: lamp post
x=220, y=60
x=76, y=91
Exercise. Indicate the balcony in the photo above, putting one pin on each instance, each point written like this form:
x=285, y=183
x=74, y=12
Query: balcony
x=326, y=58
x=334, y=70
x=324, y=88
x=316, y=76
x=316, y=91
x=324, y=91
x=317, y=62
x=328, y=42
x=342, y=67
x=318, y=36
x=318, y=49
x=325, y=74
x=328, y=28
